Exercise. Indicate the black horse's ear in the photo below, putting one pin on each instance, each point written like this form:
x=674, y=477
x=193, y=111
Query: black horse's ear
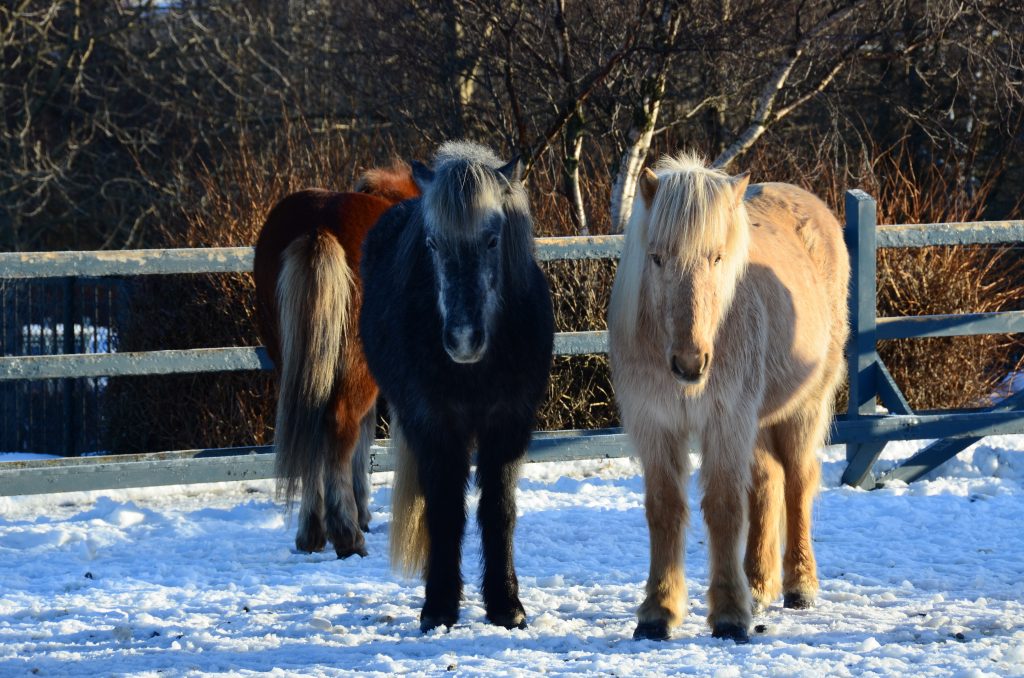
x=422, y=175
x=512, y=170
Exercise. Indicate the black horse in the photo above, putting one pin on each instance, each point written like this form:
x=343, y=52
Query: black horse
x=457, y=328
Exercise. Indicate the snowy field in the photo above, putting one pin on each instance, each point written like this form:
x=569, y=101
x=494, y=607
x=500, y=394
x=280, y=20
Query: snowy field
x=926, y=579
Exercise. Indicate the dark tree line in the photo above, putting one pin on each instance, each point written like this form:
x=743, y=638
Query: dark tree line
x=108, y=109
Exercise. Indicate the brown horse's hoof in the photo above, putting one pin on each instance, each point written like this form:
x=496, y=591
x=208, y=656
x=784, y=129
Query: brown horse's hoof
x=364, y=517
x=310, y=540
x=731, y=631
x=348, y=539
x=358, y=549
x=656, y=629
x=798, y=601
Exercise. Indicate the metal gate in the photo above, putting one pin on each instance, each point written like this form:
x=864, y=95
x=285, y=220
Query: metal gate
x=67, y=315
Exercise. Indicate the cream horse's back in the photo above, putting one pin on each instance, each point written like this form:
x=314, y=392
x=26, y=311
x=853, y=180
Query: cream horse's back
x=727, y=325
x=789, y=224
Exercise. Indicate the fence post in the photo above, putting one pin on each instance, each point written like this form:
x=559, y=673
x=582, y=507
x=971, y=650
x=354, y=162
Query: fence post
x=861, y=357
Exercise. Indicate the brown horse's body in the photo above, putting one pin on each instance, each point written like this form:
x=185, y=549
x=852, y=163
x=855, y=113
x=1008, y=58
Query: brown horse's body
x=727, y=326
x=308, y=297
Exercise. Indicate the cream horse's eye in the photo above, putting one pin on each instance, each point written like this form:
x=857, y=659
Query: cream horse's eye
x=717, y=260
x=656, y=258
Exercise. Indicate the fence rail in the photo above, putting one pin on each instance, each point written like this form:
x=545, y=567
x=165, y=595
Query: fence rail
x=862, y=429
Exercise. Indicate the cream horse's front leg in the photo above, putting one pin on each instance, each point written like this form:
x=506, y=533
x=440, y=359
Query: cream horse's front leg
x=725, y=475
x=666, y=463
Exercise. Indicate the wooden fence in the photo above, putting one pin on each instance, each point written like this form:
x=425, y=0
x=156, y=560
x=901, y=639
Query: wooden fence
x=862, y=428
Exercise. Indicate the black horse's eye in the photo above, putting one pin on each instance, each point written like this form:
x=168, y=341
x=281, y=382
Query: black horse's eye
x=656, y=258
x=492, y=242
x=431, y=245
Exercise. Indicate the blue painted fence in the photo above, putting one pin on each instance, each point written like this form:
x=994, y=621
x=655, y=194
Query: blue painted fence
x=863, y=430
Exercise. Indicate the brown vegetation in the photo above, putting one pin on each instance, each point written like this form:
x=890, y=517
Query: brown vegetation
x=145, y=124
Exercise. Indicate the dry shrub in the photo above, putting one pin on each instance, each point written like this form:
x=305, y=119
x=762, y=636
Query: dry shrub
x=579, y=392
x=950, y=372
x=944, y=372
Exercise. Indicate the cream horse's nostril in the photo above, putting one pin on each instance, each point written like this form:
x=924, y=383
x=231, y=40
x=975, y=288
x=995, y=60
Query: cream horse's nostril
x=689, y=367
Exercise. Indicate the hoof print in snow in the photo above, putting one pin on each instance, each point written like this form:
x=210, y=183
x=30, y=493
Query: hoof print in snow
x=798, y=601
x=651, y=630
x=733, y=632
x=122, y=633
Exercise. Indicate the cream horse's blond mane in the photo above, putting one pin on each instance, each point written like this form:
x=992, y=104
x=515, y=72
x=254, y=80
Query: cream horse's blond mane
x=692, y=215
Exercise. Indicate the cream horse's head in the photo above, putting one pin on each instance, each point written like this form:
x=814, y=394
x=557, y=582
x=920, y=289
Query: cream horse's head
x=686, y=249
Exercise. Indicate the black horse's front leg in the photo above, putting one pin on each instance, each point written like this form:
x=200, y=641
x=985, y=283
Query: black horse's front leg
x=444, y=471
x=501, y=453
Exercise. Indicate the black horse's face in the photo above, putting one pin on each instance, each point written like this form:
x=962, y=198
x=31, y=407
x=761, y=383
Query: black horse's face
x=464, y=227
x=467, y=270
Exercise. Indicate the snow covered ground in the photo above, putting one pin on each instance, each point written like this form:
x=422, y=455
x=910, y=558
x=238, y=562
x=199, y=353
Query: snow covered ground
x=926, y=579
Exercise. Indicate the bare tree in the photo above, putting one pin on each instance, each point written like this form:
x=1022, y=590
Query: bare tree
x=664, y=32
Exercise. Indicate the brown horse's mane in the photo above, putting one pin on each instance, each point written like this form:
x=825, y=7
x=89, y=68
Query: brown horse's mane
x=392, y=183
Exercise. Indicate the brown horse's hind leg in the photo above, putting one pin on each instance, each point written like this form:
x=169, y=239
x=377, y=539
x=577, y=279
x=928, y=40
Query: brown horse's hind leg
x=353, y=401
x=725, y=475
x=762, y=561
x=342, y=514
x=310, y=536
x=797, y=441
x=666, y=464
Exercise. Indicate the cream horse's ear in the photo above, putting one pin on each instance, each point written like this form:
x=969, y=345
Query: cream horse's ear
x=648, y=186
x=739, y=186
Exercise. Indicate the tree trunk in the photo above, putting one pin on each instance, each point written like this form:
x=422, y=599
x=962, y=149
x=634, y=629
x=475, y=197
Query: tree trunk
x=633, y=158
x=573, y=147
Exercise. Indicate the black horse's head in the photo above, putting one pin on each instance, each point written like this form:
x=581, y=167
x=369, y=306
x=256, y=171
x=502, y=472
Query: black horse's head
x=472, y=207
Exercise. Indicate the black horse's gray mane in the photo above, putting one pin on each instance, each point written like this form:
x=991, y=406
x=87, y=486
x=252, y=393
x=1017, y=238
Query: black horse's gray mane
x=468, y=181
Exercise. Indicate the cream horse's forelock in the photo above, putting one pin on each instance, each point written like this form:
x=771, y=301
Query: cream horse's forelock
x=694, y=213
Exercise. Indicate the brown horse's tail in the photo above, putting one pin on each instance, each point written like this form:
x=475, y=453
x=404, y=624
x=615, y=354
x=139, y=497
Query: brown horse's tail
x=408, y=536
x=314, y=301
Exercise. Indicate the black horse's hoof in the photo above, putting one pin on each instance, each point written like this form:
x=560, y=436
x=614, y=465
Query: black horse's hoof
x=656, y=629
x=798, y=601
x=731, y=631
x=431, y=622
x=511, y=619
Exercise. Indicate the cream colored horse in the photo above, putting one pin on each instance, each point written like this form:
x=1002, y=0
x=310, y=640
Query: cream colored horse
x=727, y=324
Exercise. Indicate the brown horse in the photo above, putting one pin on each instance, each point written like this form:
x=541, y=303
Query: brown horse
x=308, y=296
x=727, y=324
